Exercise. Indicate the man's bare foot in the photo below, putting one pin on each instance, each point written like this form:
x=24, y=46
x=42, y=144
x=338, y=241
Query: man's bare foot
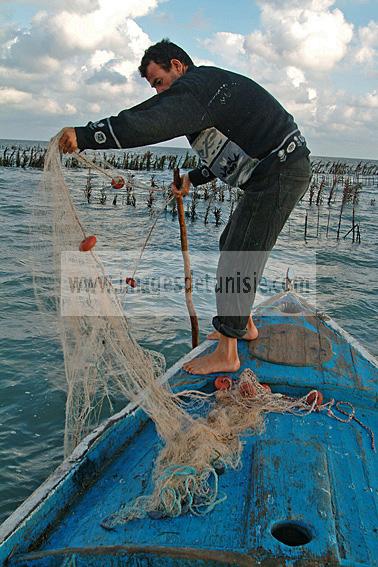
x=251, y=334
x=224, y=359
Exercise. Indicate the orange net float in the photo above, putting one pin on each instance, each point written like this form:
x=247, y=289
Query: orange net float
x=88, y=243
x=131, y=282
x=223, y=383
x=316, y=397
x=118, y=182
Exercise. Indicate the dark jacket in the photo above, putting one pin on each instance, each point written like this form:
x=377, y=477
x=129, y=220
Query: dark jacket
x=234, y=125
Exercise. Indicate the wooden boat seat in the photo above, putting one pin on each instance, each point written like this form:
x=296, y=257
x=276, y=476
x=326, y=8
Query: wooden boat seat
x=291, y=345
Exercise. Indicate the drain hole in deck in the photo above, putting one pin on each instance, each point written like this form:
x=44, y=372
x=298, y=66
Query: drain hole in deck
x=291, y=533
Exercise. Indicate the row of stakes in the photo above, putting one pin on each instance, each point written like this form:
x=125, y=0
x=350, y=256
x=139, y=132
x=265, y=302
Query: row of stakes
x=350, y=194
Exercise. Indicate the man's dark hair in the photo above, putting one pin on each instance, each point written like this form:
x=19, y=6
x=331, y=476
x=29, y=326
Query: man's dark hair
x=162, y=53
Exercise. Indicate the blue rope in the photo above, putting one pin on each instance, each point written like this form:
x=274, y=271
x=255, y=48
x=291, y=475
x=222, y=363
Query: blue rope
x=198, y=494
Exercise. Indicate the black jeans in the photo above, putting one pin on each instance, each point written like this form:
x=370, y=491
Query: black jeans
x=249, y=237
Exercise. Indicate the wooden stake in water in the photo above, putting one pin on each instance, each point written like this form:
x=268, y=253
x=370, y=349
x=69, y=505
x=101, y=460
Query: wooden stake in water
x=185, y=254
x=305, y=228
x=329, y=216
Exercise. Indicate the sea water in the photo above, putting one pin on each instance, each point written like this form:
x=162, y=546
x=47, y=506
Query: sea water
x=339, y=276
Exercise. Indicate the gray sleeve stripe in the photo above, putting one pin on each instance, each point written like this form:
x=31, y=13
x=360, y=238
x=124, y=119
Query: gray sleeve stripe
x=112, y=133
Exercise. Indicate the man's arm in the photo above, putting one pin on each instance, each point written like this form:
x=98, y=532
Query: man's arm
x=173, y=113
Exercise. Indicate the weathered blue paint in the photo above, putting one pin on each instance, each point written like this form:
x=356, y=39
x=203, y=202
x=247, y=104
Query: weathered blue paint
x=313, y=472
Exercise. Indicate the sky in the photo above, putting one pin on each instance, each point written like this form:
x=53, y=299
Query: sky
x=65, y=63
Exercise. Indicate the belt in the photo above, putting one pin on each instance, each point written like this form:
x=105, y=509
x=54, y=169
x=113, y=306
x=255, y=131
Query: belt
x=293, y=141
x=289, y=144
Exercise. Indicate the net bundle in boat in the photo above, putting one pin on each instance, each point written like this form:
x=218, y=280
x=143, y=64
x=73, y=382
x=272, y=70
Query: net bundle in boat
x=103, y=361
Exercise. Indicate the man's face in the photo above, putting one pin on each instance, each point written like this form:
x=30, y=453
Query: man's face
x=160, y=79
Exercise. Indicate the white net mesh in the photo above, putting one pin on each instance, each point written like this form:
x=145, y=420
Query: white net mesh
x=102, y=360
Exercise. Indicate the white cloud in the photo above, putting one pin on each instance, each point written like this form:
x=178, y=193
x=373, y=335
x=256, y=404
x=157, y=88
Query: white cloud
x=294, y=53
x=66, y=34
x=367, y=49
x=51, y=106
x=95, y=108
x=13, y=97
x=230, y=45
x=370, y=100
x=296, y=76
x=303, y=34
x=107, y=26
x=306, y=34
x=76, y=58
x=199, y=61
x=99, y=58
x=369, y=34
x=24, y=101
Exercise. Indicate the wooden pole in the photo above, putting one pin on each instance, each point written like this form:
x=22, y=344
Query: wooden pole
x=305, y=228
x=185, y=254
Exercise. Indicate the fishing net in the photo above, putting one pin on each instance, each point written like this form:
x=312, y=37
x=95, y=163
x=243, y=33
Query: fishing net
x=103, y=362
x=187, y=469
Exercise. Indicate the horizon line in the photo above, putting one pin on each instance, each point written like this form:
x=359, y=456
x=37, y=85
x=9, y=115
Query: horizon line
x=178, y=148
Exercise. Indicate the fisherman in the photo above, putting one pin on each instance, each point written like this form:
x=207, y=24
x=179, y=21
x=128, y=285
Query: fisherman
x=245, y=138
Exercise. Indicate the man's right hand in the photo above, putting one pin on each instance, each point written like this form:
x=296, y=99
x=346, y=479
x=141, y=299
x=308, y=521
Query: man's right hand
x=185, y=186
x=68, y=141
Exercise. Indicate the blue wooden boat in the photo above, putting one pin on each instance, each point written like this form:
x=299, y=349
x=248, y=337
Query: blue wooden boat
x=306, y=494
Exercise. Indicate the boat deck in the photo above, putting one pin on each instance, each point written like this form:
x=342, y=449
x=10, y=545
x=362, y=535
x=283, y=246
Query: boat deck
x=306, y=493
x=287, y=476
